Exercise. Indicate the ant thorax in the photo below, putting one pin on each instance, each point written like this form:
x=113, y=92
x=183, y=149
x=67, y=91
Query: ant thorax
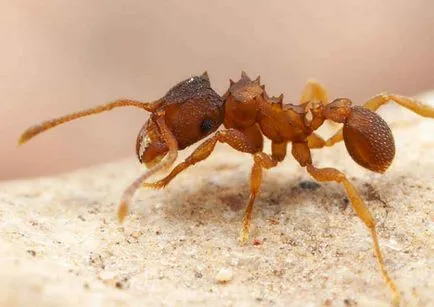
x=247, y=104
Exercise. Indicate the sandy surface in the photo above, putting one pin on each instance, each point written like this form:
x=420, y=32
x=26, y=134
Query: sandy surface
x=61, y=245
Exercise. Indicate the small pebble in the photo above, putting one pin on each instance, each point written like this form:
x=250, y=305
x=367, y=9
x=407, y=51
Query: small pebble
x=108, y=278
x=235, y=261
x=257, y=242
x=158, y=205
x=224, y=275
x=31, y=252
x=136, y=234
x=106, y=275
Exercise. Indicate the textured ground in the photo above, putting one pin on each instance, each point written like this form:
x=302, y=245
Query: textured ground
x=61, y=245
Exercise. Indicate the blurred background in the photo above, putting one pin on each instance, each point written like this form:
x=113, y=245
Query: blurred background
x=60, y=56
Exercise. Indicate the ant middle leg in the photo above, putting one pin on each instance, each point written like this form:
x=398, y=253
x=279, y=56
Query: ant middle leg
x=261, y=161
x=314, y=91
x=278, y=150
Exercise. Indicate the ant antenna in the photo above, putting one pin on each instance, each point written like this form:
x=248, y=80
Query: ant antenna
x=37, y=129
x=172, y=144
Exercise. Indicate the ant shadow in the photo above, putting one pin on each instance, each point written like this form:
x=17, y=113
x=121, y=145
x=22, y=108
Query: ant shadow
x=199, y=204
x=208, y=199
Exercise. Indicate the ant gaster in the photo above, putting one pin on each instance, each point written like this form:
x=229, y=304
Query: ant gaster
x=192, y=110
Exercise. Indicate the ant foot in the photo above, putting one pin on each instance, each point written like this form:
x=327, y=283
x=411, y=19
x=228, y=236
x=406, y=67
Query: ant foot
x=244, y=237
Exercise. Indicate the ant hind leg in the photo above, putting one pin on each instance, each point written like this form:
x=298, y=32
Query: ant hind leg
x=331, y=174
x=377, y=101
x=315, y=141
x=411, y=104
x=301, y=153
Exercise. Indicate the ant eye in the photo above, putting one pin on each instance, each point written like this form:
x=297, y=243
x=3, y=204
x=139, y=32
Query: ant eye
x=206, y=126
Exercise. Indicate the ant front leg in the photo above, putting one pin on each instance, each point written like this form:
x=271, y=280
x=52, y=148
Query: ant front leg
x=233, y=137
x=172, y=145
x=239, y=141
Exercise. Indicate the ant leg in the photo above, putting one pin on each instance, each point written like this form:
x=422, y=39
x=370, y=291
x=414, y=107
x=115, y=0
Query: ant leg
x=314, y=91
x=234, y=138
x=239, y=141
x=411, y=104
x=261, y=161
x=37, y=129
x=315, y=141
x=377, y=101
x=172, y=144
x=331, y=174
x=278, y=150
x=301, y=153
x=335, y=138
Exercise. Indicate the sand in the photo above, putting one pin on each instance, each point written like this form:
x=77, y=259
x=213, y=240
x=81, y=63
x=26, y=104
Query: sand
x=61, y=244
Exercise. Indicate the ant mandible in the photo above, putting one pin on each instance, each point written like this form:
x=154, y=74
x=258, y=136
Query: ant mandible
x=192, y=110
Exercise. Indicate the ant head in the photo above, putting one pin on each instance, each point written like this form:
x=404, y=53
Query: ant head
x=192, y=110
x=150, y=146
x=369, y=139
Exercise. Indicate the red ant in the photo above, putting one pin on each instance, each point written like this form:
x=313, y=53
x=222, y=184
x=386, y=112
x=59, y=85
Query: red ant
x=192, y=110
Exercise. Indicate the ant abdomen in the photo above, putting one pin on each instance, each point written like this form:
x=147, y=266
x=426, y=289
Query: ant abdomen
x=369, y=140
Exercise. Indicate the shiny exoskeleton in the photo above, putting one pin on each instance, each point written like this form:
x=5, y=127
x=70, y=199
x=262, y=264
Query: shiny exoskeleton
x=192, y=110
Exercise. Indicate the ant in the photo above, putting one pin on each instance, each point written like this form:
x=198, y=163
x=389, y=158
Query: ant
x=192, y=110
